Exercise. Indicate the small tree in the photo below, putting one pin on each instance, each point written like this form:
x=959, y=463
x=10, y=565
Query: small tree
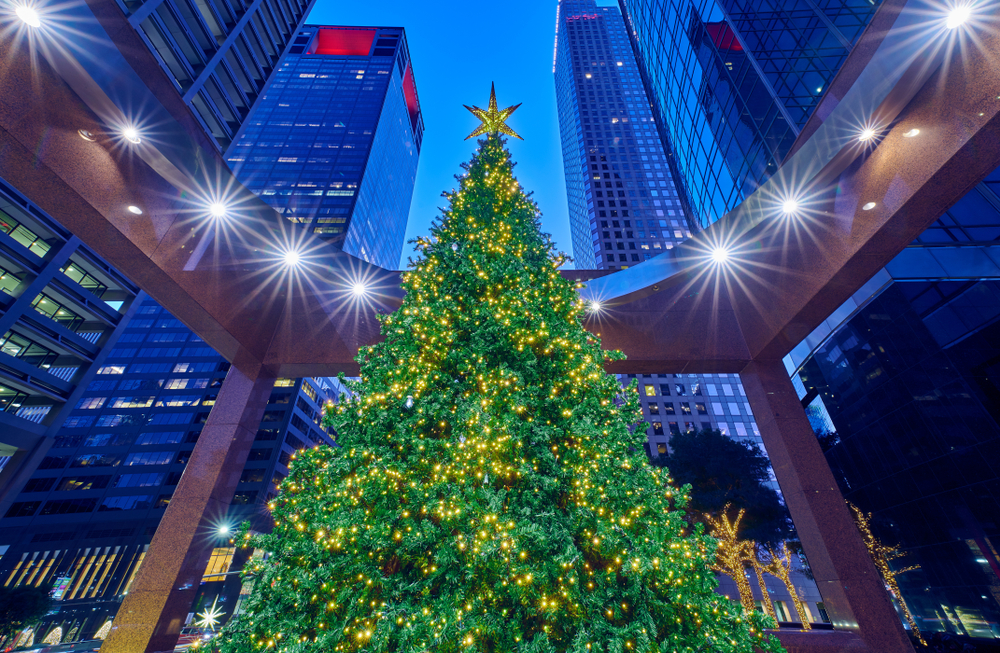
x=727, y=475
x=882, y=555
x=21, y=607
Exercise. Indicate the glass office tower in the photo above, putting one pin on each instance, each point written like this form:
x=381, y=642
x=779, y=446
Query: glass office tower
x=334, y=141
x=900, y=382
x=903, y=387
x=61, y=307
x=219, y=54
x=732, y=82
x=85, y=518
x=624, y=209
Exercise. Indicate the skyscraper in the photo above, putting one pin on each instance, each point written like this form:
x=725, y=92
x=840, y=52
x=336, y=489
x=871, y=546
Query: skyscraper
x=334, y=141
x=904, y=389
x=732, y=82
x=219, y=54
x=61, y=308
x=900, y=381
x=84, y=520
x=625, y=209
x=626, y=206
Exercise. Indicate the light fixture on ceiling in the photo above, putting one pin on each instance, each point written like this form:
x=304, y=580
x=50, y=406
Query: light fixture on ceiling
x=135, y=210
x=131, y=134
x=958, y=15
x=910, y=134
x=28, y=15
x=868, y=207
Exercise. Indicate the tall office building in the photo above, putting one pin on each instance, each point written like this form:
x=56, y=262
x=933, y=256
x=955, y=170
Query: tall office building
x=219, y=54
x=901, y=380
x=334, y=141
x=904, y=386
x=60, y=308
x=732, y=82
x=85, y=519
x=624, y=209
x=626, y=203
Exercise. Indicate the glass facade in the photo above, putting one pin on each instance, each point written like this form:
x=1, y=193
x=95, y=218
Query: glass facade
x=87, y=515
x=625, y=209
x=911, y=387
x=219, y=54
x=731, y=83
x=623, y=199
x=334, y=141
x=60, y=307
x=902, y=385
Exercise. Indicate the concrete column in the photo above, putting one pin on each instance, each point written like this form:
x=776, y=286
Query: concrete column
x=853, y=592
x=151, y=616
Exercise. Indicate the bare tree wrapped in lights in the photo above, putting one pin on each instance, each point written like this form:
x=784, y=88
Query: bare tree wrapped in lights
x=490, y=493
x=733, y=553
x=882, y=555
x=778, y=563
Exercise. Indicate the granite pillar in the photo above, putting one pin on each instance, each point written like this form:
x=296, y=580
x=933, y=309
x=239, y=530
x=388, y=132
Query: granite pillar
x=153, y=613
x=853, y=592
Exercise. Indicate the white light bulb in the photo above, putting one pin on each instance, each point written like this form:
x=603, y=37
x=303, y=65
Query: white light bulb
x=29, y=16
x=913, y=132
x=720, y=255
x=292, y=258
x=359, y=289
x=131, y=135
x=217, y=210
x=958, y=15
x=789, y=207
x=866, y=134
x=135, y=210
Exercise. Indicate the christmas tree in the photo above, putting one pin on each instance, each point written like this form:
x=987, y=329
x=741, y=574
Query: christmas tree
x=490, y=492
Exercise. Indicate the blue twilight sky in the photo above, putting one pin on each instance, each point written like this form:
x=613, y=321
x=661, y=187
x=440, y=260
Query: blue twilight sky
x=458, y=48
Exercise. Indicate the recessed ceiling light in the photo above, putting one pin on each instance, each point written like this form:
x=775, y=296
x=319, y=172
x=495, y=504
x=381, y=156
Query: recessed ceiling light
x=131, y=134
x=913, y=132
x=868, y=207
x=958, y=15
x=218, y=210
x=359, y=289
x=866, y=134
x=789, y=206
x=720, y=255
x=86, y=135
x=29, y=16
x=135, y=209
x=292, y=258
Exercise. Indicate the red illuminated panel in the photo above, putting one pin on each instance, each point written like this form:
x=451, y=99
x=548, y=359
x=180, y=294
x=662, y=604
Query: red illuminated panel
x=345, y=42
x=410, y=92
x=723, y=36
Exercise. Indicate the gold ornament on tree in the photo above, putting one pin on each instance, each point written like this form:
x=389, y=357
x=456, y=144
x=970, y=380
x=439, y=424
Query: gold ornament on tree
x=494, y=120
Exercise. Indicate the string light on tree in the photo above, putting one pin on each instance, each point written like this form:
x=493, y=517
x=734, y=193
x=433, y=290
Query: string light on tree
x=882, y=555
x=490, y=491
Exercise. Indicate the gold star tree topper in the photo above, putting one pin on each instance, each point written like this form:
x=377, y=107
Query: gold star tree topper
x=493, y=119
